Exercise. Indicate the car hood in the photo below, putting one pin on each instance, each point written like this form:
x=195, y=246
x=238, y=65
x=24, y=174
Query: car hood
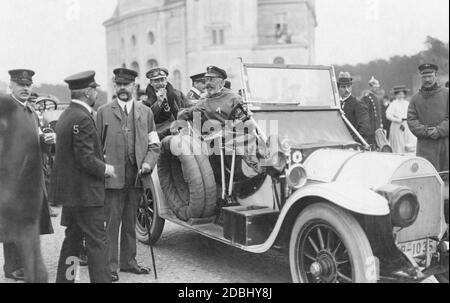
x=365, y=169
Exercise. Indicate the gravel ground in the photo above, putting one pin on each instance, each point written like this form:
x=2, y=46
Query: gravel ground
x=183, y=256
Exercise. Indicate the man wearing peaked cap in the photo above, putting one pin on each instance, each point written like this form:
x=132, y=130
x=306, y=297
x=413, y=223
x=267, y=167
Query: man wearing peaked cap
x=219, y=101
x=374, y=108
x=164, y=100
x=78, y=182
x=198, y=87
x=355, y=110
x=132, y=146
x=428, y=118
x=16, y=110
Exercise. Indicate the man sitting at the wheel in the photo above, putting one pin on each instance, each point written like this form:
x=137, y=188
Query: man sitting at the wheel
x=219, y=101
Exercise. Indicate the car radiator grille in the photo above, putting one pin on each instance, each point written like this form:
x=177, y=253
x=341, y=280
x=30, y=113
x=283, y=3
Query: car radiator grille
x=428, y=223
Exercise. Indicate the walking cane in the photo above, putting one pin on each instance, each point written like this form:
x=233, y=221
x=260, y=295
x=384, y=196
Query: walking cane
x=148, y=214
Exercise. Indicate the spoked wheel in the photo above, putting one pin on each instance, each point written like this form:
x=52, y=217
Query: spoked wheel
x=329, y=246
x=149, y=225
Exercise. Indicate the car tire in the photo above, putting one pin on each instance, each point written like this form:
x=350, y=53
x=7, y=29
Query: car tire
x=148, y=218
x=328, y=245
x=187, y=180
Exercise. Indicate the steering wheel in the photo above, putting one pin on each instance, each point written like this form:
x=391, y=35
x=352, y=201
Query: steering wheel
x=46, y=105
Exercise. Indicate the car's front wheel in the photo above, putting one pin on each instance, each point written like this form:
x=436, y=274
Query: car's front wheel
x=329, y=246
x=149, y=225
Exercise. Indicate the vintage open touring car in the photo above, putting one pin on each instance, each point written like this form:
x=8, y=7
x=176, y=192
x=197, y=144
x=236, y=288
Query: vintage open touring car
x=342, y=213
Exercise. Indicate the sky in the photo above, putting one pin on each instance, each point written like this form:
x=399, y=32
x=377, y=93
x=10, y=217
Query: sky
x=57, y=38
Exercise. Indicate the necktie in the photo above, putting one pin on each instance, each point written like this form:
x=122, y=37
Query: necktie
x=125, y=110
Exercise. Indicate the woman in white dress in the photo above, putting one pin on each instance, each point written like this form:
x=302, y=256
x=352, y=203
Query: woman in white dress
x=401, y=139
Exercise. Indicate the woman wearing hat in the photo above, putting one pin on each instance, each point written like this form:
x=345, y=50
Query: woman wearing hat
x=401, y=138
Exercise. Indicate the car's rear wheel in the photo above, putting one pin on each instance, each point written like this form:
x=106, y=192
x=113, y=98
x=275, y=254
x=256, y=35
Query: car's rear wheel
x=149, y=225
x=329, y=246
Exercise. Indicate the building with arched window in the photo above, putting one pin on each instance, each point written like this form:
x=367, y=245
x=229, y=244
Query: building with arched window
x=185, y=36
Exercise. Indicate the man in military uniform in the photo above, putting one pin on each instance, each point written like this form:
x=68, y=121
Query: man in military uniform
x=132, y=146
x=198, y=87
x=355, y=110
x=78, y=182
x=21, y=87
x=428, y=118
x=374, y=109
x=219, y=101
x=164, y=100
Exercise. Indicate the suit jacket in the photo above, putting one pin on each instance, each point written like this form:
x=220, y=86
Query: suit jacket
x=78, y=176
x=356, y=113
x=147, y=145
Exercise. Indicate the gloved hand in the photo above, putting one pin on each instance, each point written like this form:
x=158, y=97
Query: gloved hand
x=433, y=133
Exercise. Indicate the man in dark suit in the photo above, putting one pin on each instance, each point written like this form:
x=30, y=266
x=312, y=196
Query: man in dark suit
x=198, y=88
x=21, y=87
x=355, y=111
x=132, y=146
x=78, y=183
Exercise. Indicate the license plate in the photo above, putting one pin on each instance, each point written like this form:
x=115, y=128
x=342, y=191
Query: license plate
x=418, y=248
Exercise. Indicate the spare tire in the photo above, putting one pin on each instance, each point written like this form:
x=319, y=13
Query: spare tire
x=187, y=179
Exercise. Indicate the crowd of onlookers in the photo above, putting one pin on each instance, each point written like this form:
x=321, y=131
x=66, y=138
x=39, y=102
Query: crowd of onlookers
x=402, y=121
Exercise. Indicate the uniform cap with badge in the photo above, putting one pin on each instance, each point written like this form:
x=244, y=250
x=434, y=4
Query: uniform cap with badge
x=157, y=73
x=216, y=72
x=124, y=76
x=22, y=76
x=428, y=68
x=82, y=80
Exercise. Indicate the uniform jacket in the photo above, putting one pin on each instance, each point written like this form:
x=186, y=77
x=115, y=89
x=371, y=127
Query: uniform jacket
x=78, y=176
x=147, y=146
x=22, y=188
x=163, y=119
x=356, y=113
x=374, y=109
x=217, y=107
x=430, y=109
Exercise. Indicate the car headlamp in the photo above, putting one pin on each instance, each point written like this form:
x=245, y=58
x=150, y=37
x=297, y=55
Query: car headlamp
x=296, y=176
x=403, y=203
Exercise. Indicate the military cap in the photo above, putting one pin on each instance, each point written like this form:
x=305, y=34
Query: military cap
x=374, y=82
x=345, y=79
x=157, y=73
x=198, y=77
x=22, y=76
x=124, y=76
x=214, y=71
x=400, y=88
x=81, y=80
x=428, y=68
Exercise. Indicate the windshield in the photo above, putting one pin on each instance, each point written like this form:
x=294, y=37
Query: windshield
x=303, y=86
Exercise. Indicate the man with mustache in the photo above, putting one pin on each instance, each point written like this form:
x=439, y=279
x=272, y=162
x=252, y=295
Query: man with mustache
x=198, y=88
x=164, y=100
x=355, y=111
x=21, y=92
x=428, y=118
x=219, y=100
x=132, y=146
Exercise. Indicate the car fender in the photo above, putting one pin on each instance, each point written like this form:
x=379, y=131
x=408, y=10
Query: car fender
x=356, y=199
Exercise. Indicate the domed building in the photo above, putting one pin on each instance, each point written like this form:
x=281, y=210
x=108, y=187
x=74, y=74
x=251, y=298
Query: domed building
x=185, y=36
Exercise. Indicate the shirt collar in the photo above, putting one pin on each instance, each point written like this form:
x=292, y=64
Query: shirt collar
x=343, y=100
x=87, y=107
x=196, y=91
x=24, y=104
x=128, y=104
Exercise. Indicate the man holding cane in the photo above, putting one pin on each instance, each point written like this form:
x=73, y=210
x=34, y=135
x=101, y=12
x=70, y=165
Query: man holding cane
x=132, y=146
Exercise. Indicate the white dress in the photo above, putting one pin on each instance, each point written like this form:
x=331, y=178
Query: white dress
x=402, y=141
